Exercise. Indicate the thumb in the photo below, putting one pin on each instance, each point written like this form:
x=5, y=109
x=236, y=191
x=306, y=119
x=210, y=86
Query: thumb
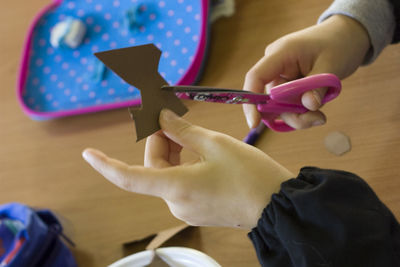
x=182, y=132
x=312, y=100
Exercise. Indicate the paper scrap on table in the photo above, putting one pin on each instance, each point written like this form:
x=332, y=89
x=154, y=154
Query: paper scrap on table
x=157, y=261
x=337, y=143
x=138, y=66
x=157, y=240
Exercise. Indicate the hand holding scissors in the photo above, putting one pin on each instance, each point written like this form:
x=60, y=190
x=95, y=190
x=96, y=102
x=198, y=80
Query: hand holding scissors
x=282, y=98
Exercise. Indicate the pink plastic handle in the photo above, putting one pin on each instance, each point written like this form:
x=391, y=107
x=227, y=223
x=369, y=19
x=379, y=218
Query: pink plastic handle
x=291, y=92
x=276, y=124
x=287, y=98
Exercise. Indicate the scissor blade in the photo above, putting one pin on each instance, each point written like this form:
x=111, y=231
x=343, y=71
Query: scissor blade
x=218, y=95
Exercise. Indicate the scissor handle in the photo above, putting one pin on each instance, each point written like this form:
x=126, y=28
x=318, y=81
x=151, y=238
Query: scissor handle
x=291, y=92
x=287, y=98
x=277, y=124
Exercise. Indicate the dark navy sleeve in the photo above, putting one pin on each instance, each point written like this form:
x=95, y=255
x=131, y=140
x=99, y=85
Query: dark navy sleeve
x=326, y=218
x=396, y=9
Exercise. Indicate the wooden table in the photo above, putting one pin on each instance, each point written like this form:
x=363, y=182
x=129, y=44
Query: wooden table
x=41, y=164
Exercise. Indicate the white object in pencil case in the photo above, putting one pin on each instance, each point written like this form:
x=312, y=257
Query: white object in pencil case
x=68, y=33
x=221, y=8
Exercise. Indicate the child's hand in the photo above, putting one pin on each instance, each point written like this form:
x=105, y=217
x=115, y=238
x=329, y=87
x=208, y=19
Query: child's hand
x=338, y=46
x=229, y=185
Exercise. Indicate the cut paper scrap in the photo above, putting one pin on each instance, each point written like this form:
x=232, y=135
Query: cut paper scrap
x=337, y=143
x=157, y=261
x=164, y=236
x=138, y=66
x=157, y=240
x=59, y=82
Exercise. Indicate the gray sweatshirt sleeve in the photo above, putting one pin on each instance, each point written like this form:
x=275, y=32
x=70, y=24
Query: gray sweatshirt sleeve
x=375, y=15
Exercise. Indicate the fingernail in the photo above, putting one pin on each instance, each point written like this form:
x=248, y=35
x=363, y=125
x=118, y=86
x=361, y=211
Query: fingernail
x=317, y=97
x=318, y=123
x=168, y=115
x=90, y=155
x=85, y=155
x=250, y=122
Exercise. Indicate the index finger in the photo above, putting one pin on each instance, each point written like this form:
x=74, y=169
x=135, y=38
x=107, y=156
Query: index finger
x=138, y=179
x=264, y=71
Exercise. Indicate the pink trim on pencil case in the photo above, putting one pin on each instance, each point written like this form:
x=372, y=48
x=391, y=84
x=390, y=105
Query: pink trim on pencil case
x=191, y=75
x=188, y=77
x=23, y=67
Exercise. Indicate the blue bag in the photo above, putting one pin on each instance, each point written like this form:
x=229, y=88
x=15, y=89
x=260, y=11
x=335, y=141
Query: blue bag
x=31, y=238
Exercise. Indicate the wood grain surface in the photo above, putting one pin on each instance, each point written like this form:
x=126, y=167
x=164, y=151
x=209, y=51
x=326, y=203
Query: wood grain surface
x=41, y=163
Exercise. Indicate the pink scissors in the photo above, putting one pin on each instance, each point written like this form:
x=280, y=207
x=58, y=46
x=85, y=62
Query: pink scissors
x=282, y=98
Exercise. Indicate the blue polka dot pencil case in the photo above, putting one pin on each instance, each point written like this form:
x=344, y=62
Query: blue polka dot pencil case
x=59, y=78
